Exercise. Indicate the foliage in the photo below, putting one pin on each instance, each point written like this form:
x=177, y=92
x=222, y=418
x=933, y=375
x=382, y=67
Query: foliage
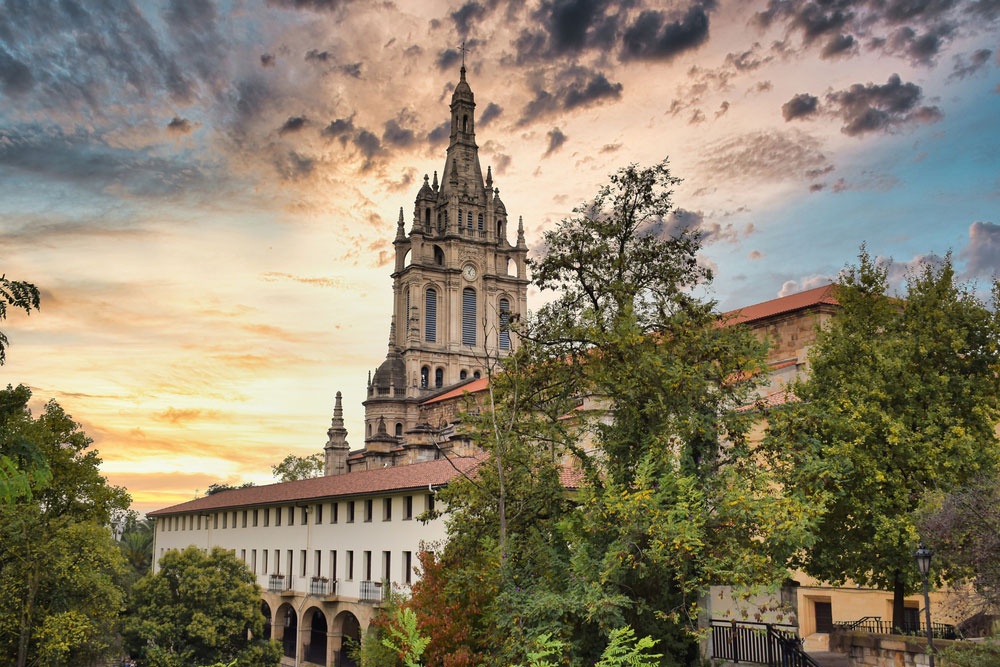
x=622, y=649
x=902, y=398
x=971, y=654
x=293, y=468
x=17, y=294
x=198, y=608
x=404, y=638
x=136, y=545
x=60, y=570
x=629, y=375
x=219, y=487
x=963, y=528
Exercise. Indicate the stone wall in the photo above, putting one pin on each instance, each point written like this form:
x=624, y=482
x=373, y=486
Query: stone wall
x=868, y=650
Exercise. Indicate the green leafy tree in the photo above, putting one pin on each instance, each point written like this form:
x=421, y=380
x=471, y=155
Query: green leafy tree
x=219, y=487
x=16, y=294
x=901, y=399
x=294, y=468
x=60, y=570
x=197, y=609
x=630, y=375
x=137, y=546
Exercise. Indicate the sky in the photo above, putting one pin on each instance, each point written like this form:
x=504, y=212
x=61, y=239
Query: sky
x=206, y=192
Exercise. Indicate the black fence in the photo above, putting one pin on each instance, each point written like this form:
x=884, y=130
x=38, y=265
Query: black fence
x=876, y=625
x=772, y=644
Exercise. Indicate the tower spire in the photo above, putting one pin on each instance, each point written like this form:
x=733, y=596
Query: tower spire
x=336, y=449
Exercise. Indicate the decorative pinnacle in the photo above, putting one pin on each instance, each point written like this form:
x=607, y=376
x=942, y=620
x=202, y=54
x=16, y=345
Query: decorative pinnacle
x=400, y=230
x=520, y=232
x=489, y=177
x=435, y=184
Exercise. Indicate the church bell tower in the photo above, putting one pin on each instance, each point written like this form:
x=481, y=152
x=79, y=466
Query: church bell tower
x=456, y=282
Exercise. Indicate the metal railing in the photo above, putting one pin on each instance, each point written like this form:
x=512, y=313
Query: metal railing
x=279, y=583
x=371, y=591
x=875, y=625
x=322, y=586
x=772, y=644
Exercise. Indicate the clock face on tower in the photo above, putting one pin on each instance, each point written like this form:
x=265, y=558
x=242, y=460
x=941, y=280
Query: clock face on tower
x=469, y=272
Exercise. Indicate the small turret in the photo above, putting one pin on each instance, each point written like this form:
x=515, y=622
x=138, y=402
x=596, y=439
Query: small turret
x=520, y=234
x=336, y=449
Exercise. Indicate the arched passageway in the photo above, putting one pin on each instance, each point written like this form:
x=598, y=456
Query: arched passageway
x=314, y=650
x=265, y=609
x=350, y=633
x=289, y=626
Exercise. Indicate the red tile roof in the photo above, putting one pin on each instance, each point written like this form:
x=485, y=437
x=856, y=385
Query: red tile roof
x=473, y=387
x=367, y=482
x=810, y=298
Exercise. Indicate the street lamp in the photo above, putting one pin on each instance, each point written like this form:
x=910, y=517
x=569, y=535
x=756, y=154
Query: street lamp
x=923, y=558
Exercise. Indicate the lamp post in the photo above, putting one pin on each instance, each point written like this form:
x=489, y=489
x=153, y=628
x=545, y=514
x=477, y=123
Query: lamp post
x=923, y=558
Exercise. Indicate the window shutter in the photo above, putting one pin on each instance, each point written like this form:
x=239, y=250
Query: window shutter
x=504, y=324
x=430, y=316
x=469, y=316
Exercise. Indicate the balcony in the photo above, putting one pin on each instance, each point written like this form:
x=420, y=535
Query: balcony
x=279, y=583
x=323, y=587
x=371, y=591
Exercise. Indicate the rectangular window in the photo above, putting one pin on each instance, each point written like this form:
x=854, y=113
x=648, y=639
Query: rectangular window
x=277, y=561
x=253, y=561
x=430, y=315
x=243, y=555
x=386, y=565
x=199, y=522
x=305, y=516
x=319, y=513
x=291, y=561
x=368, y=510
x=302, y=563
x=387, y=509
x=244, y=518
x=407, y=567
x=368, y=565
x=407, y=508
x=291, y=515
x=349, y=571
x=350, y=511
x=235, y=514
x=333, y=564
x=263, y=562
x=430, y=502
x=267, y=517
x=277, y=516
x=215, y=520
x=318, y=563
x=255, y=518
x=334, y=512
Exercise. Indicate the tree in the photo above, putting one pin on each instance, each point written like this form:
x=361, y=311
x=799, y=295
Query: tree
x=17, y=294
x=137, y=546
x=198, y=609
x=901, y=399
x=630, y=375
x=294, y=468
x=219, y=487
x=60, y=571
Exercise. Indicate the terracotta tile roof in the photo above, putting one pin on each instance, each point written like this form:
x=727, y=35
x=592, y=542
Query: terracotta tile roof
x=473, y=387
x=400, y=478
x=571, y=478
x=814, y=297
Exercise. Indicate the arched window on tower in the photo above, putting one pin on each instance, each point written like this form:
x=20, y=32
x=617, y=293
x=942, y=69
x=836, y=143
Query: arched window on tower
x=462, y=374
x=427, y=217
x=504, y=324
x=438, y=378
x=468, y=316
x=468, y=223
x=480, y=226
x=430, y=316
x=465, y=123
x=424, y=376
x=438, y=256
x=399, y=429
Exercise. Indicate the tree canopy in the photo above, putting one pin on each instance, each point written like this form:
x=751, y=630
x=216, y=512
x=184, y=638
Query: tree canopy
x=293, y=468
x=198, y=609
x=628, y=375
x=901, y=399
x=16, y=294
x=60, y=570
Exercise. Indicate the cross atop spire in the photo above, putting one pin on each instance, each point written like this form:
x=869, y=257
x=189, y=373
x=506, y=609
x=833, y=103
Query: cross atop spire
x=464, y=50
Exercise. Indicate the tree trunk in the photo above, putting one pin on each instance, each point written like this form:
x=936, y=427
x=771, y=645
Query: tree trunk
x=898, y=593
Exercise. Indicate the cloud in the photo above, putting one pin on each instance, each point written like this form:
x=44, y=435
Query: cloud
x=292, y=125
x=466, y=16
x=275, y=276
x=982, y=253
x=396, y=133
x=611, y=148
x=314, y=5
x=15, y=76
x=293, y=165
x=880, y=108
x=179, y=126
x=440, y=134
x=572, y=88
x=490, y=113
x=838, y=46
x=556, y=140
x=267, y=60
x=652, y=36
x=179, y=416
x=802, y=105
x=768, y=156
x=341, y=128
x=976, y=62
x=790, y=287
x=755, y=255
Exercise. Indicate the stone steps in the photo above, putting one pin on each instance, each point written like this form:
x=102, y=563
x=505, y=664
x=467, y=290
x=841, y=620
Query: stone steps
x=830, y=658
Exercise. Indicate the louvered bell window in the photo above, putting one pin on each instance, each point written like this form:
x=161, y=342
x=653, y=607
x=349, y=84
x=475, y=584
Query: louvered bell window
x=504, y=324
x=430, y=316
x=469, y=316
